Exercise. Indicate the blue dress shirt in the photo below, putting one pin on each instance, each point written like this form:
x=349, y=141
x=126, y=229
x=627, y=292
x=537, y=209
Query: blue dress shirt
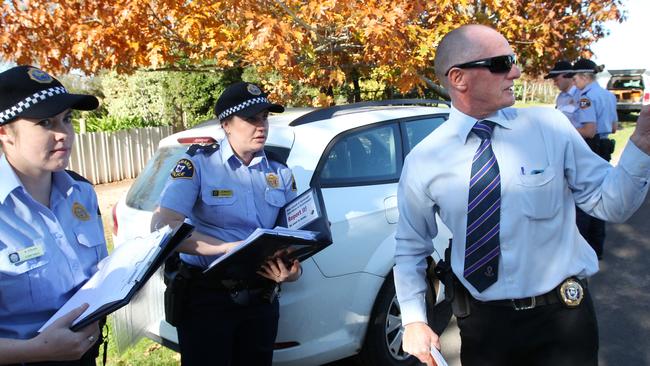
x=546, y=169
x=566, y=103
x=226, y=199
x=595, y=105
x=66, y=241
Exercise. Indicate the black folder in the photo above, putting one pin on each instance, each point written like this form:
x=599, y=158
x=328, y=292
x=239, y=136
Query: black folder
x=243, y=262
x=163, y=250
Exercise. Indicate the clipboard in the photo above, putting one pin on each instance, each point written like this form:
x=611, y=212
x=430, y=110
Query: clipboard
x=302, y=231
x=122, y=274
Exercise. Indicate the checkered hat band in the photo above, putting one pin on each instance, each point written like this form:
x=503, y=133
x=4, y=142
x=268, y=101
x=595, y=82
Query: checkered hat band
x=587, y=71
x=240, y=106
x=26, y=103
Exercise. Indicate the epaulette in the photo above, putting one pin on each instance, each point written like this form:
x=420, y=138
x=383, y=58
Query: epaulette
x=275, y=155
x=206, y=150
x=76, y=176
x=80, y=178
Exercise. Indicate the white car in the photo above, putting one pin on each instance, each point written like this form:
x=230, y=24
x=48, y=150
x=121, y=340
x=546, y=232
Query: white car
x=344, y=304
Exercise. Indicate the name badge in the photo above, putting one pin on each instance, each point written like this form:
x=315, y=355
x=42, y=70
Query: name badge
x=222, y=193
x=26, y=254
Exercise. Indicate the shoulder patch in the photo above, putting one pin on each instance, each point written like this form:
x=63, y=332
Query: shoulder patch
x=585, y=103
x=183, y=169
x=202, y=149
x=293, y=183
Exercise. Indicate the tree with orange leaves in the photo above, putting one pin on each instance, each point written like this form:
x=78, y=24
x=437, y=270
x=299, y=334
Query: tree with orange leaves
x=319, y=43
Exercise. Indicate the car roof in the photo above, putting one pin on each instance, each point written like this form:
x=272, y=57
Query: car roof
x=283, y=129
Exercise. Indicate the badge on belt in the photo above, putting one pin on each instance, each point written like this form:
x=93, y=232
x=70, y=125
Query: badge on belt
x=26, y=254
x=571, y=292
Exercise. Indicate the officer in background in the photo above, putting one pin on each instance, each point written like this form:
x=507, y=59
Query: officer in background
x=595, y=109
x=51, y=235
x=566, y=100
x=228, y=190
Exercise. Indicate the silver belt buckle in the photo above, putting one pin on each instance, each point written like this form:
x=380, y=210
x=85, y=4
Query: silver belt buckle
x=516, y=302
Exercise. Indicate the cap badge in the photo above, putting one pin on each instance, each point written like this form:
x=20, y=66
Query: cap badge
x=39, y=76
x=253, y=89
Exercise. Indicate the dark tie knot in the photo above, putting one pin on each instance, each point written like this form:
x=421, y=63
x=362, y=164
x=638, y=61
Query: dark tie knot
x=483, y=129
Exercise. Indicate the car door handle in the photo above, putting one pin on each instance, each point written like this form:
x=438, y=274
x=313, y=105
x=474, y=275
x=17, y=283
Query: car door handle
x=390, y=209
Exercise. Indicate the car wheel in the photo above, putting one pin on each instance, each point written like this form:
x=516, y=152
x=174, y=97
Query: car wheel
x=383, y=343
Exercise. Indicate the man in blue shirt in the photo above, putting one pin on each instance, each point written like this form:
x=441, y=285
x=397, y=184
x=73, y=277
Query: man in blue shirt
x=566, y=100
x=505, y=181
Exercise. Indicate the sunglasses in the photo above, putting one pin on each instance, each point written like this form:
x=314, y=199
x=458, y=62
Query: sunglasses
x=496, y=65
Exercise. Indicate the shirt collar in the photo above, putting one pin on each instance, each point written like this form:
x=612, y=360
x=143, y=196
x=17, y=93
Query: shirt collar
x=228, y=155
x=10, y=181
x=572, y=90
x=588, y=87
x=464, y=123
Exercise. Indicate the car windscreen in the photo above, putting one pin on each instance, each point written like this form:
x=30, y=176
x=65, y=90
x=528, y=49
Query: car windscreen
x=145, y=191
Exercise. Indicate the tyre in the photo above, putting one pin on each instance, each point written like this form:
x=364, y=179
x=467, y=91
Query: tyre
x=383, y=343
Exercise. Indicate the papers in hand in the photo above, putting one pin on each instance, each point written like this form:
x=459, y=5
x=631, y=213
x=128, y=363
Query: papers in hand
x=277, y=231
x=116, y=275
x=437, y=356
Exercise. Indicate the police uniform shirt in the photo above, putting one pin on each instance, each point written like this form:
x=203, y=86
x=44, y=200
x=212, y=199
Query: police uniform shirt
x=546, y=168
x=566, y=103
x=595, y=105
x=224, y=198
x=46, y=254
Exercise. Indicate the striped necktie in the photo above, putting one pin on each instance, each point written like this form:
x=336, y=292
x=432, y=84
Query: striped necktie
x=483, y=213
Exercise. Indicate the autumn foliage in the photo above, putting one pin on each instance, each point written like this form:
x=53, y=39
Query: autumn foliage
x=319, y=43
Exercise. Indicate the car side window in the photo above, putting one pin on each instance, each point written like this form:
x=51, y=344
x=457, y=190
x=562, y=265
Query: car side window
x=416, y=130
x=369, y=156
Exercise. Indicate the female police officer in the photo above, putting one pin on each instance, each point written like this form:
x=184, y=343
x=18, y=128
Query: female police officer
x=51, y=235
x=596, y=108
x=227, y=191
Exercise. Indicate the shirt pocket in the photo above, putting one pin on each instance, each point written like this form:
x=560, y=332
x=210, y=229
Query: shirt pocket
x=23, y=283
x=540, y=196
x=90, y=239
x=275, y=197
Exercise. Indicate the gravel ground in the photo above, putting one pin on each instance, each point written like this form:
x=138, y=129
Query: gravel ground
x=108, y=194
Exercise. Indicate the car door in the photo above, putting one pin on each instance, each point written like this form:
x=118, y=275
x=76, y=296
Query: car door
x=358, y=175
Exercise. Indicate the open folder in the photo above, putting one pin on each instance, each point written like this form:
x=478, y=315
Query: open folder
x=302, y=230
x=122, y=274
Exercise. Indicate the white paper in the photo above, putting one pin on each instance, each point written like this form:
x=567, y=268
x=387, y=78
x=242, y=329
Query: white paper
x=116, y=275
x=301, y=211
x=437, y=356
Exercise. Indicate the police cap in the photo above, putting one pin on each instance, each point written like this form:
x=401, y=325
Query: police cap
x=28, y=92
x=561, y=67
x=584, y=66
x=244, y=100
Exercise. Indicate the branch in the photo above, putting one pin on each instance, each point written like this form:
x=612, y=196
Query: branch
x=442, y=92
x=169, y=29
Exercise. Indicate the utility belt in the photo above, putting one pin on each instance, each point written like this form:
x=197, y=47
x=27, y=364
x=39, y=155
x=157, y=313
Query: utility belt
x=603, y=147
x=181, y=278
x=569, y=293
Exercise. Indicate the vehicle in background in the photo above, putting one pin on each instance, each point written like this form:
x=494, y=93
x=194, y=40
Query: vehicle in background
x=631, y=88
x=345, y=302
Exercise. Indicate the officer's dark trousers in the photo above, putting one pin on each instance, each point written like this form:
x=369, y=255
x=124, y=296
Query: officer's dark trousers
x=549, y=335
x=214, y=330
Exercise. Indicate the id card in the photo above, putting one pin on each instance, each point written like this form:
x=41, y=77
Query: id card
x=26, y=254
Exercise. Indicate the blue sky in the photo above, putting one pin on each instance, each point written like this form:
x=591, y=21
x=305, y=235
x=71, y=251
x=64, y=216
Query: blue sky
x=627, y=46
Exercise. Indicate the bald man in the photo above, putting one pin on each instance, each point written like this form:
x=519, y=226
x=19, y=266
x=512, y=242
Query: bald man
x=505, y=181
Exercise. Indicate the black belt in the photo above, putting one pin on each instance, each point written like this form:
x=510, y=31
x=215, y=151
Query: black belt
x=526, y=303
x=198, y=279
